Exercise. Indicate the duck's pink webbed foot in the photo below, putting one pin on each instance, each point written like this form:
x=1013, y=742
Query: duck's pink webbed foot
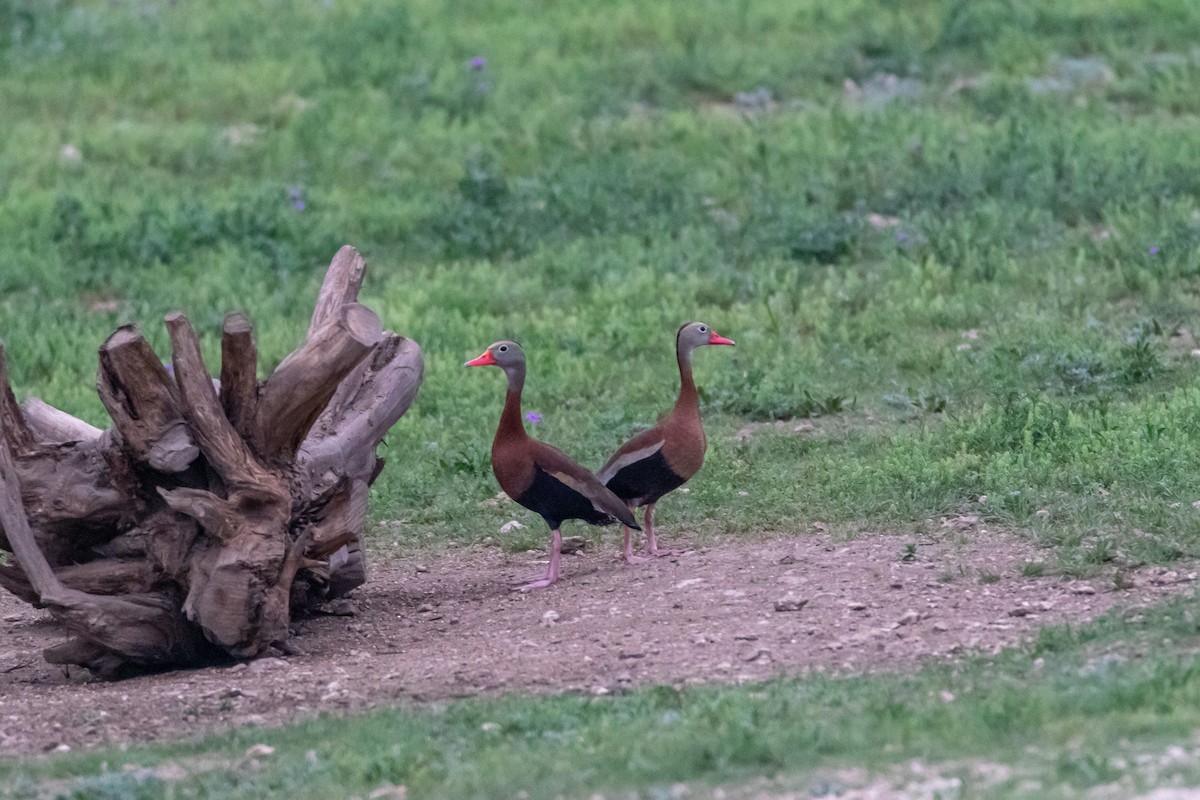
x=627, y=551
x=552, y=572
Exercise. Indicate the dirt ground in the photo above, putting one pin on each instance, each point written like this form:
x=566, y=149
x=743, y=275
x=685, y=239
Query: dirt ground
x=435, y=627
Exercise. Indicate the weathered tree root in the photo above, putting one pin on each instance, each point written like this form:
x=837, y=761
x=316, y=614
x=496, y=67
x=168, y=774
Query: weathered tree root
x=211, y=510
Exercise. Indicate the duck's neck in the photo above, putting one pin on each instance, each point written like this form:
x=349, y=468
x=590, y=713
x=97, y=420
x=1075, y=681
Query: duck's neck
x=511, y=423
x=689, y=400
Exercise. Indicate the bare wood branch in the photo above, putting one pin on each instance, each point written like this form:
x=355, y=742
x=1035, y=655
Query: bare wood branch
x=342, y=518
x=141, y=399
x=218, y=517
x=347, y=569
x=239, y=380
x=98, y=659
x=20, y=535
x=301, y=386
x=105, y=576
x=343, y=280
x=12, y=422
x=144, y=628
x=75, y=495
x=52, y=426
x=225, y=450
x=360, y=416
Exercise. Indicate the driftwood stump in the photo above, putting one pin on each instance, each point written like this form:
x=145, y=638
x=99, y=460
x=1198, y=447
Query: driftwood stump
x=211, y=510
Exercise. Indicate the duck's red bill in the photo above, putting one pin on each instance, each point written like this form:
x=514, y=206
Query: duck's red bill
x=717, y=339
x=485, y=360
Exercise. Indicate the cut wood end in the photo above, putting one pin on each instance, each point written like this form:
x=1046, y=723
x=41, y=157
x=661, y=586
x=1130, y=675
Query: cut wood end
x=122, y=337
x=362, y=323
x=236, y=323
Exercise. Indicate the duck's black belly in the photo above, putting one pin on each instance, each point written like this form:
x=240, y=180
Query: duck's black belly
x=556, y=502
x=643, y=482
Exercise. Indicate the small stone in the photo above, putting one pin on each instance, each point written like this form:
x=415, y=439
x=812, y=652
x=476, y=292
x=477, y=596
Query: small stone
x=510, y=526
x=421, y=568
x=389, y=792
x=572, y=545
x=791, y=603
x=938, y=627
x=1083, y=588
x=489, y=727
x=628, y=654
x=947, y=696
x=70, y=155
x=1020, y=611
x=260, y=751
x=896, y=585
x=909, y=617
x=340, y=607
x=788, y=559
x=856, y=605
x=12, y=617
x=758, y=654
x=424, y=608
x=549, y=618
x=262, y=665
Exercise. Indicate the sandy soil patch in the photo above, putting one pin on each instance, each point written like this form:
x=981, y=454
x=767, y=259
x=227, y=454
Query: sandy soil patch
x=441, y=626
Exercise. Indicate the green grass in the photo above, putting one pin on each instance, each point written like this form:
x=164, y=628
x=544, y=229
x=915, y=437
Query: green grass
x=597, y=182
x=1074, y=709
x=983, y=274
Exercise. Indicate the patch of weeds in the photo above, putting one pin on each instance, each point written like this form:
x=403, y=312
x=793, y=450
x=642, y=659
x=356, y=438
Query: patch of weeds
x=1033, y=569
x=1081, y=373
x=136, y=785
x=986, y=577
x=100, y=238
x=909, y=553
x=763, y=395
x=829, y=242
x=1140, y=362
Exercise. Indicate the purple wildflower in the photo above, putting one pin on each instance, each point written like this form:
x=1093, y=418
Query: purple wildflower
x=478, y=62
x=1153, y=249
x=901, y=237
x=169, y=367
x=533, y=417
x=296, y=195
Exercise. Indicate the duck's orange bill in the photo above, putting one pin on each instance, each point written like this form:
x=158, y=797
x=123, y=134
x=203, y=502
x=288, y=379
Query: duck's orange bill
x=485, y=360
x=717, y=339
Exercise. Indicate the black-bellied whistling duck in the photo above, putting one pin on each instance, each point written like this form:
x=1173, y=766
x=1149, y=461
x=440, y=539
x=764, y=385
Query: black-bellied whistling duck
x=663, y=458
x=540, y=477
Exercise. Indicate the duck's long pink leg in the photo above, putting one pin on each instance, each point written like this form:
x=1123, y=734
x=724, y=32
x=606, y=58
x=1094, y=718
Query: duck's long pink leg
x=627, y=552
x=552, y=571
x=651, y=540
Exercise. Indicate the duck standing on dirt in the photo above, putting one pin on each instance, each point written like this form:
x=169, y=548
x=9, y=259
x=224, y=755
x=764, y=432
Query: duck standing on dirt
x=663, y=458
x=538, y=476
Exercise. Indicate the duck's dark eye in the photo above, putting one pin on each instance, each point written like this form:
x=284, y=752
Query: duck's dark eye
x=503, y=348
x=703, y=329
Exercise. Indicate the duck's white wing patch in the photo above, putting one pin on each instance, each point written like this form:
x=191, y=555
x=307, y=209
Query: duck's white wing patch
x=625, y=459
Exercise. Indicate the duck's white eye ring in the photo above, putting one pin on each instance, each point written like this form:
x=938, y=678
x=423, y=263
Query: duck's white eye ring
x=703, y=329
x=503, y=348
